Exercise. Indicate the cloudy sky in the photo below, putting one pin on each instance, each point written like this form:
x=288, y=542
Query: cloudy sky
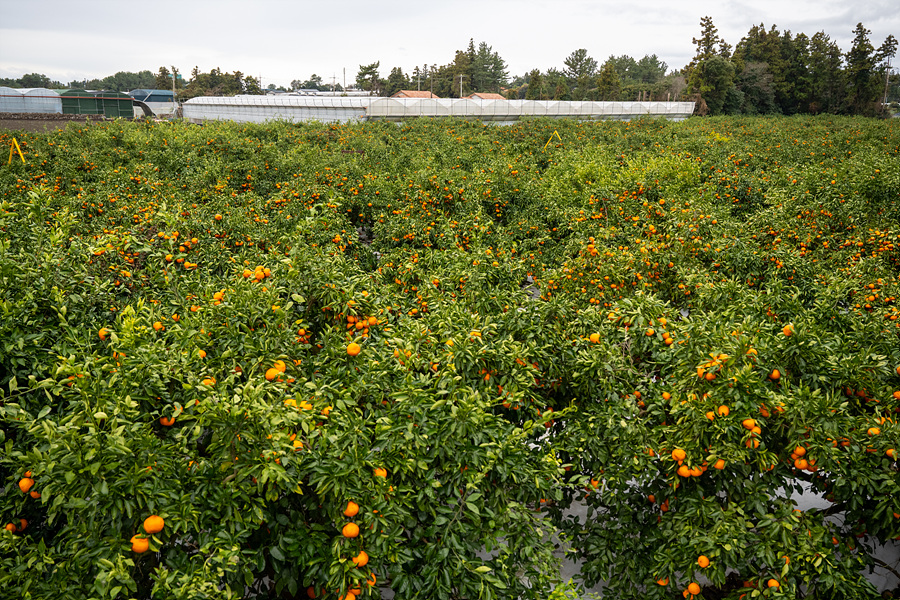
x=283, y=40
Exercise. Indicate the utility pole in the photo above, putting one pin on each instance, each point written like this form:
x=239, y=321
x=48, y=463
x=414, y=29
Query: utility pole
x=887, y=78
x=460, y=85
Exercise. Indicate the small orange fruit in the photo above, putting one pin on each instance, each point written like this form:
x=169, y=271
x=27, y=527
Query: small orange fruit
x=353, y=349
x=703, y=561
x=664, y=581
x=679, y=454
x=103, y=333
x=361, y=559
x=788, y=330
x=724, y=411
x=34, y=494
x=350, y=530
x=154, y=524
x=775, y=375
x=873, y=431
x=272, y=373
x=773, y=583
x=380, y=472
x=139, y=545
x=167, y=421
x=693, y=588
x=158, y=326
x=25, y=484
x=10, y=527
x=595, y=338
x=719, y=464
x=352, y=509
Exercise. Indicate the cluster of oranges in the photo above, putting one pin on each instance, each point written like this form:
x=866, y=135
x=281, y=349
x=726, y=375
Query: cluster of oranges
x=140, y=543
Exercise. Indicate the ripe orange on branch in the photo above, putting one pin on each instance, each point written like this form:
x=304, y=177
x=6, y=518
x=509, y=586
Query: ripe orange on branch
x=350, y=530
x=154, y=524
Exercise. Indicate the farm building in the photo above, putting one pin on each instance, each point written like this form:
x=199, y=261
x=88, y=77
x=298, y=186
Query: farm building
x=29, y=100
x=161, y=102
x=414, y=94
x=341, y=109
x=108, y=104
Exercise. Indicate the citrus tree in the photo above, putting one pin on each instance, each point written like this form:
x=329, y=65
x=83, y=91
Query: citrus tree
x=341, y=361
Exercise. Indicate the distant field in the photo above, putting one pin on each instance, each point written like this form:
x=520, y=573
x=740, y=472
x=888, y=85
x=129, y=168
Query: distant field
x=340, y=361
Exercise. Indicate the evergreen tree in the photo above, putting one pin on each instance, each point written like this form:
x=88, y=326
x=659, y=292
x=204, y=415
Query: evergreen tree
x=608, y=83
x=535, y=86
x=826, y=90
x=862, y=83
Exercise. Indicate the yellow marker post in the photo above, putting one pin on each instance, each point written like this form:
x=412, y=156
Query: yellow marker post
x=556, y=133
x=14, y=146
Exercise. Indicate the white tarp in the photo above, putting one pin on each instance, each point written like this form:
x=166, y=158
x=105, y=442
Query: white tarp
x=259, y=109
x=29, y=100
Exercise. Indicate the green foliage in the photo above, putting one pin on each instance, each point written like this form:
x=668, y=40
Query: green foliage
x=540, y=325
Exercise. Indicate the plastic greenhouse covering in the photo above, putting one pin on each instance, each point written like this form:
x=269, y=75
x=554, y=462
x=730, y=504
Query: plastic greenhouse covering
x=258, y=109
x=330, y=109
x=29, y=100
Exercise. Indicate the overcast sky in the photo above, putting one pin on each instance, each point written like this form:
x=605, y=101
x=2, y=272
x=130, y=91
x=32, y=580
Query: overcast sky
x=283, y=40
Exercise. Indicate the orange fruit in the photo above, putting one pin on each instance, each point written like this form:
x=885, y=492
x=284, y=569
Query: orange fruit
x=34, y=494
x=201, y=353
x=361, y=559
x=703, y=561
x=684, y=471
x=800, y=451
x=350, y=530
x=167, y=421
x=724, y=411
x=719, y=464
x=595, y=338
x=650, y=332
x=664, y=581
x=773, y=583
x=311, y=592
x=10, y=527
x=25, y=484
x=139, y=545
x=158, y=326
x=775, y=375
x=679, y=454
x=748, y=423
x=873, y=431
x=352, y=509
x=272, y=373
x=372, y=581
x=103, y=333
x=380, y=472
x=891, y=453
x=693, y=588
x=218, y=217
x=353, y=349
x=788, y=330
x=666, y=396
x=154, y=524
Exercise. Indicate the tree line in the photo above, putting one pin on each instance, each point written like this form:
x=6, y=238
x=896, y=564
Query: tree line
x=773, y=72
x=767, y=72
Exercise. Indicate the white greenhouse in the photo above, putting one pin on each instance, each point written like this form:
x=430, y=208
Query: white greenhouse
x=259, y=109
x=29, y=100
